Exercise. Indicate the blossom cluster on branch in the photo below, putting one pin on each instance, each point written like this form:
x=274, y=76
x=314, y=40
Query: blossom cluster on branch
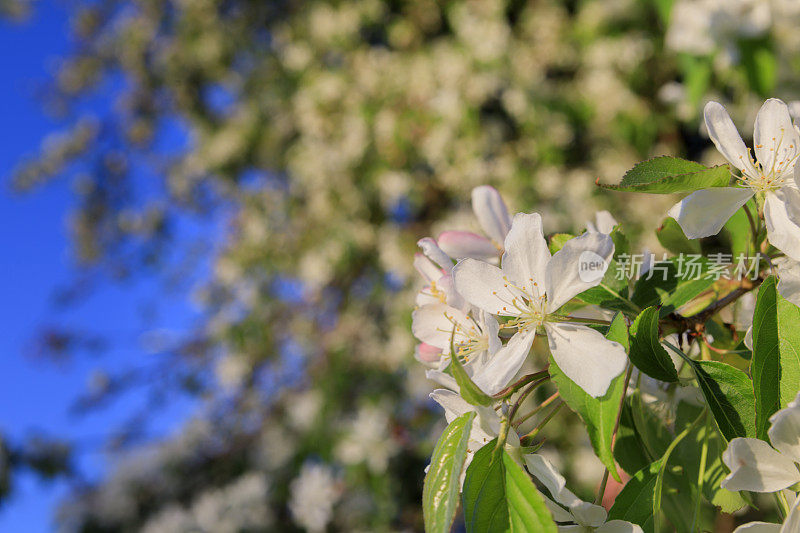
x=485, y=299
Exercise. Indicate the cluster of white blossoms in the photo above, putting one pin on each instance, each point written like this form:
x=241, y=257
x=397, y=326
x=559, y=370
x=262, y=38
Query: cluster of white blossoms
x=481, y=290
x=486, y=298
x=469, y=300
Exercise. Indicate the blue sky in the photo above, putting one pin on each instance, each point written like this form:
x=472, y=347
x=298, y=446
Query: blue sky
x=36, y=260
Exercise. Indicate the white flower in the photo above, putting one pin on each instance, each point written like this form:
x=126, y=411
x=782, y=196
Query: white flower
x=435, y=267
x=704, y=212
x=530, y=288
x=790, y=525
x=493, y=217
x=485, y=426
x=585, y=517
x=475, y=340
x=755, y=466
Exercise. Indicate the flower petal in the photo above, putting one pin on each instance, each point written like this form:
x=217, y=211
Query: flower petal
x=758, y=527
x=788, y=279
x=585, y=356
x=433, y=324
x=619, y=526
x=604, y=222
x=558, y=512
x=433, y=252
x=427, y=268
x=785, y=431
x=526, y=256
x=748, y=338
x=704, y=212
x=490, y=209
x=461, y=244
x=589, y=514
x=776, y=141
x=553, y=481
x=755, y=466
x=782, y=215
x=495, y=375
x=487, y=423
x=427, y=354
x=442, y=378
x=483, y=285
x=792, y=522
x=492, y=329
x=727, y=139
x=567, y=273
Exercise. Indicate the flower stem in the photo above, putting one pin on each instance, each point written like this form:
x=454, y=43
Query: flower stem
x=783, y=505
x=514, y=387
x=536, y=409
x=535, y=431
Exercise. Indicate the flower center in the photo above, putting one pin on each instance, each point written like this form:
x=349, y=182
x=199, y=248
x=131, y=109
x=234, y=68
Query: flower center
x=529, y=309
x=473, y=339
x=774, y=177
x=436, y=292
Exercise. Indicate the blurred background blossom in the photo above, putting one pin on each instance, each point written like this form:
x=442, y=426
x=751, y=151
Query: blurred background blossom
x=272, y=164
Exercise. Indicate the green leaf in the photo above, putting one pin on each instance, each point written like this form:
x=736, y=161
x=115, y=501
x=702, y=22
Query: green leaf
x=558, y=241
x=499, y=496
x=672, y=283
x=775, y=365
x=467, y=388
x=612, y=291
x=443, y=480
x=598, y=414
x=729, y=394
x=705, y=438
x=526, y=508
x=635, y=502
x=671, y=237
x=740, y=234
x=663, y=175
x=646, y=351
x=642, y=436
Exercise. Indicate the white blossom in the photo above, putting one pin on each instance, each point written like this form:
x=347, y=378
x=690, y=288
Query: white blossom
x=530, y=288
x=771, y=175
x=756, y=466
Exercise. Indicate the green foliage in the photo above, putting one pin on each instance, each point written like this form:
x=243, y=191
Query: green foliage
x=664, y=175
x=729, y=393
x=775, y=365
x=443, y=480
x=598, y=414
x=467, y=388
x=671, y=237
x=611, y=292
x=646, y=351
x=636, y=501
x=558, y=241
x=700, y=454
x=499, y=496
x=671, y=284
